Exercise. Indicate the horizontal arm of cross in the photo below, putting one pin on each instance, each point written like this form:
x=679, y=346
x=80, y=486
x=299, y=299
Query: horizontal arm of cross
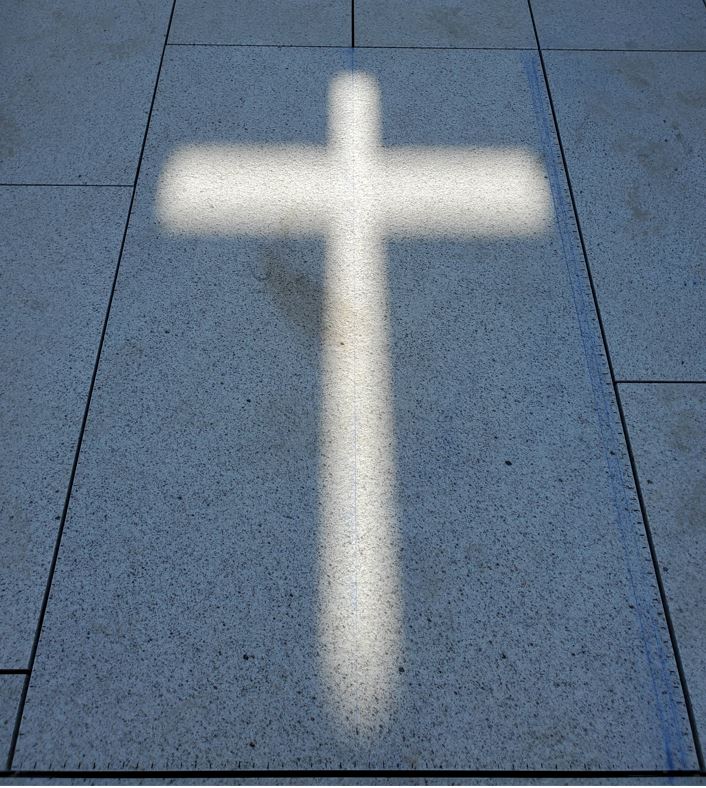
x=302, y=190
x=226, y=190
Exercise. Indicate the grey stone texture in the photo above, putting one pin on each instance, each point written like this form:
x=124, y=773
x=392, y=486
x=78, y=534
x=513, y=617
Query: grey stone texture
x=282, y=22
x=59, y=248
x=78, y=78
x=189, y=623
x=667, y=428
x=621, y=24
x=632, y=126
x=10, y=692
x=443, y=23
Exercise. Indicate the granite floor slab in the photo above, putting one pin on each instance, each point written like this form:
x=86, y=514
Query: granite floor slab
x=621, y=24
x=280, y=22
x=59, y=249
x=632, y=127
x=10, y=691
x=78, y=79
x=450, y=23
x=667, y=428
x=350, y=494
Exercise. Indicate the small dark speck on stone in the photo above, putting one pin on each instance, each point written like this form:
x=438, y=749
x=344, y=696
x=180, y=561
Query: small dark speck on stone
x=247, y=400
x=252, y=743
x=508, y=462
x=245, y=656
x=401, y=669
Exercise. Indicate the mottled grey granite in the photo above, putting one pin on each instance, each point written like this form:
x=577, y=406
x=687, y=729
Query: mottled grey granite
x=299, y=23
x=632, y=125
x=59, y=247
x=667, y=429
x=78, y=78
x=445, y=23
x=10, y=692
x=621, y=24
x=186, y=626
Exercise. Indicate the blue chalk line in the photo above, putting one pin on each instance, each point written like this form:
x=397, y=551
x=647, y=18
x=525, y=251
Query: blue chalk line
x=668, y=697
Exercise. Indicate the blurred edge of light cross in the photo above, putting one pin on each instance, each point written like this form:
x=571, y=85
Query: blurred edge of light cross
x=356, y=194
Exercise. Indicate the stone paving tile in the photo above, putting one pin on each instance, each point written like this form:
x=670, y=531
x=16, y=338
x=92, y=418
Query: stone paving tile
x=450, y=23
x=78, y=79
x=59, y=249
x=621, y=24
x=667, y=428
x=302, y=23
x=632, y=126
x=10, y=692
x=190, y=622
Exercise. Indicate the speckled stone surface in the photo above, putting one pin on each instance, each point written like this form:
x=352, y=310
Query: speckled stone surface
x=10, y=692
x=59, y=247
x=449, y=23
x=299, y=23
x=621, y=24
x=667, y=428
x=632, y=127
x=78, y=78
x=190, y=607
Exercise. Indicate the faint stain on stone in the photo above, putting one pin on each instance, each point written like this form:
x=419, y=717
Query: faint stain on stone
x=10, y=137
x=450, y=21
x=14, y=538
x=295, y=293
x=692, y=509
x=635, y=205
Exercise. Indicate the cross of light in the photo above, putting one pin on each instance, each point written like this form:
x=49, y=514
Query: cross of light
x=356, y=194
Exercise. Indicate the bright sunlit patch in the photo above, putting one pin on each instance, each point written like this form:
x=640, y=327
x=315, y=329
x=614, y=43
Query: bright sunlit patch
x=356, y=194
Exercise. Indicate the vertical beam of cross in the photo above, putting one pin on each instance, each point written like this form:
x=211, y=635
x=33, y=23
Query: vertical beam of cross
x=362, y=608
x=356, y=193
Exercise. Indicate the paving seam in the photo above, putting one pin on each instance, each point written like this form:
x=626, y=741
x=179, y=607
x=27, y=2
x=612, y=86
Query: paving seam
x=60, y=531
x=355, y=46
x=414, y=46
x=61, y=185
x=660, y=382
x=670, y=690
x=601, y=49
x=126, y=773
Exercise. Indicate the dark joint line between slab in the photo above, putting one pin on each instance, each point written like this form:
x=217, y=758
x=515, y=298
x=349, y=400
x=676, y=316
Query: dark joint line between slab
x=356, y=46
x=91, y=185
x=57, y=544
x=654, y=381
x=607, y=49
x=420, y=46
x=616, y=391
x=14, y=671
x=351, y=773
